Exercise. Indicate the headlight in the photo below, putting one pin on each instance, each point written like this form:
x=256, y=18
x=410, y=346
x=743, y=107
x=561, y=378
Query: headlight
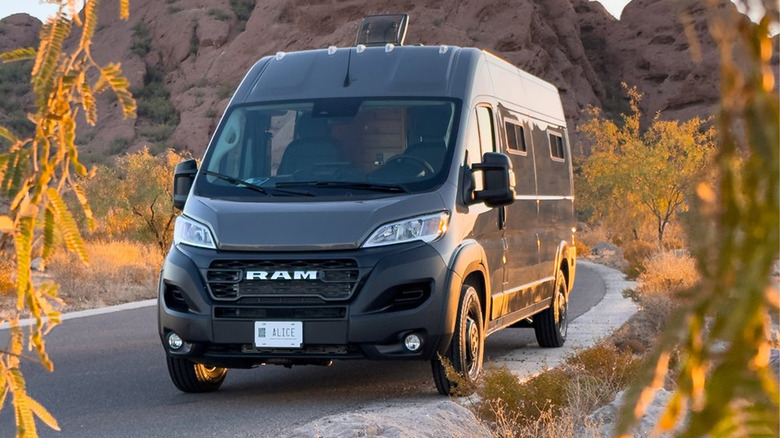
x=426, y=228
x=192, y=233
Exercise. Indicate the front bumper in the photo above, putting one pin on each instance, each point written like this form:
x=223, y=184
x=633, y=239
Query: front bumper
x=401, y=289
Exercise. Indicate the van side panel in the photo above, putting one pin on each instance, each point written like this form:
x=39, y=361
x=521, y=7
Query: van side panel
x=556, y=201
x=521, y=222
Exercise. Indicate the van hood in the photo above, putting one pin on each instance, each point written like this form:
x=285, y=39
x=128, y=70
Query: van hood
x=304, y=226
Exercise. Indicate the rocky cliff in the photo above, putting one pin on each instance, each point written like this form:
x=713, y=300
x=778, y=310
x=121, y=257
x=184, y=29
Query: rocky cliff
x=185, y=57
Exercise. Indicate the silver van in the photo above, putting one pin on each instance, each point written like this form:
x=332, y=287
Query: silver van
x=373, y=202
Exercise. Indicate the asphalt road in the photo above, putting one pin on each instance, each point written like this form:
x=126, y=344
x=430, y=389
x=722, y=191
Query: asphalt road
x=110, y=380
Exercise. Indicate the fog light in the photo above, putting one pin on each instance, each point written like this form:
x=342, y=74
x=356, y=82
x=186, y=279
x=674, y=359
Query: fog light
x=174, y=341
x=412, y=342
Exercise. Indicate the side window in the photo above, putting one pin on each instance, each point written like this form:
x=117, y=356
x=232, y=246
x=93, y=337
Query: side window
x=480, y=139
x=556, y=147
x=485, y=123
x=515, y=137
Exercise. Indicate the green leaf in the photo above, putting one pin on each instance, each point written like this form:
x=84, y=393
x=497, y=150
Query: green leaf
x=23, y=241
x=112, y=75
x=70, y=230
x=53, y=35
x=48, y=234
x=18, y=54
x=90, y=23
x=6, y=134
x=82, y=198
x=88, y=102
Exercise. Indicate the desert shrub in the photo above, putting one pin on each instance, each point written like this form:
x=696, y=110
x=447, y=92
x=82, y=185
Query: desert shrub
x=592, y=235
x=636, y=175
x=588, y=379
x=194, y=40
x=14, y=98
x=119, y=145
x=523, y=402
x=142, y=39
x=157, y=117
x=243, y=9
x=666, y=272
x=121, y=271
x=157, y=133
x=219, y=14
x=133, y=197
x=636, y=252
x=582, y=248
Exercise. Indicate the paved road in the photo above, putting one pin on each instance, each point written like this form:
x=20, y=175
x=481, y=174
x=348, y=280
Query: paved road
x=110, y=380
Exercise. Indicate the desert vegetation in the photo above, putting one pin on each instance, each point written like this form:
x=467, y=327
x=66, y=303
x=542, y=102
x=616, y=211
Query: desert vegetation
x=35, y=172
x=694, y=215
x=705, y=296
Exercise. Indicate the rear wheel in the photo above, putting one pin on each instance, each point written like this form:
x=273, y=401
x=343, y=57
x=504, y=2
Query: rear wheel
x=189, y=376
x=468, y=344
x=551, y=326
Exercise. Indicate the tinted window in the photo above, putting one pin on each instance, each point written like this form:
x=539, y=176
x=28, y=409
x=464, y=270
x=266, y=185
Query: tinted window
x=556, y=147
x=515, y=137
x=485, y=123
x=401, y=142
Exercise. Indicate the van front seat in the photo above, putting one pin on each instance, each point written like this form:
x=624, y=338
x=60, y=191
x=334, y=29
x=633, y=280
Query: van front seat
x=431, y=125
x=314, y=145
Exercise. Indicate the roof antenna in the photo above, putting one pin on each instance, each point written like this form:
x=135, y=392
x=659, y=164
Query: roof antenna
x=347, y=80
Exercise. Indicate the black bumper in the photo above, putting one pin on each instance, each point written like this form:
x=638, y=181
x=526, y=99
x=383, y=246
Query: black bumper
x=401, y=289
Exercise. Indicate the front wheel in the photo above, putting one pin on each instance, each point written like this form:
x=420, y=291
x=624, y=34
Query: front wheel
x=552, y=325
x=467, y=348
x=189, y=376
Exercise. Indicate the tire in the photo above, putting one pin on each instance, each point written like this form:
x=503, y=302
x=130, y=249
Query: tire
x=552, y=325
x=189, y=376
x=467, y=348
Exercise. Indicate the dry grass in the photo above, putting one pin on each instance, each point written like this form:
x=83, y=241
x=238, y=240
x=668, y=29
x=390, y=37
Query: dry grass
x=668, y=272
x=558, y=401
x=592, y=235
x=636, y=253
x=119, y=272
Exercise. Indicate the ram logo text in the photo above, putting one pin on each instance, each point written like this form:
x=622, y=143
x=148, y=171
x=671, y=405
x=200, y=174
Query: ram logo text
x=281, y=275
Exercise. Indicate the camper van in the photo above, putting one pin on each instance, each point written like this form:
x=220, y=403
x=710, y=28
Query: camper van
x=382, y=202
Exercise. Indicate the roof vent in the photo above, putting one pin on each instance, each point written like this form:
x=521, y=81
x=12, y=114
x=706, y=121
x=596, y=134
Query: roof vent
x=379, y=30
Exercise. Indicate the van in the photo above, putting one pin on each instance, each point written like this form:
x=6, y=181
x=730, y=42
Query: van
x=380, y=201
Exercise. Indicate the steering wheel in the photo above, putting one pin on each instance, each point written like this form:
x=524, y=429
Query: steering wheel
x=416, y=161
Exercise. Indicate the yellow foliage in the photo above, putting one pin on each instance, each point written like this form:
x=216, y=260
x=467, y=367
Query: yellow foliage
x=724, y=385
x=633, y=177
x=35, y=171
x=133, y=197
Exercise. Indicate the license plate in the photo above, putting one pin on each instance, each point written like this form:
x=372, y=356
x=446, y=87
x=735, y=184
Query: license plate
x=279, y=334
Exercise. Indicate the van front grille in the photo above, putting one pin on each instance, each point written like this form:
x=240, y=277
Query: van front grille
x=327, y=279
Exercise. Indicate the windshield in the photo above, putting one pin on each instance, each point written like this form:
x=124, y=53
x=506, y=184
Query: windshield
x=331, y=148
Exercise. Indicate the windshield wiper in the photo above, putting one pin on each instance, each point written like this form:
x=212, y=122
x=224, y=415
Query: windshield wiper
x=393, y=188
x=236, y=181
x=241, y=183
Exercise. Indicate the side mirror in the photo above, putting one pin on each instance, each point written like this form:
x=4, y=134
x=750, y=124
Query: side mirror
x=498, y=180
x=183, y=177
